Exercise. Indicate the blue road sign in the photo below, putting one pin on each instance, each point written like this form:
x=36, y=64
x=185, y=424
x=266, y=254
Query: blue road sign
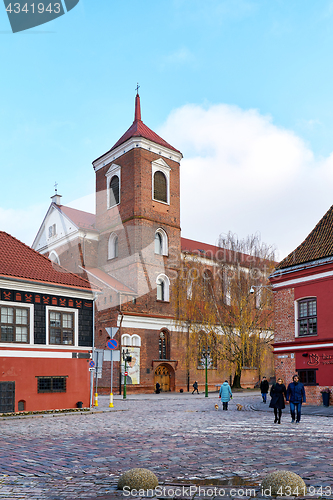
x=92, y=364
x=112, y=344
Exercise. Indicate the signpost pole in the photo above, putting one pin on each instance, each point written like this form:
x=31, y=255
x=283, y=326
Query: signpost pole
x=112, y=344
x=91, y=388
x=111, y=384
x=96, y=375
x=125, y=377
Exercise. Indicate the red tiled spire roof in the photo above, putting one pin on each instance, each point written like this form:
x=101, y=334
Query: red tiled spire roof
x=139, y=129
x=137, y=115
x=317, y=245
x=17, y=260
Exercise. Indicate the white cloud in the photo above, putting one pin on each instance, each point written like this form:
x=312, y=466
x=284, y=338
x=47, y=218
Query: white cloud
x=242, y=173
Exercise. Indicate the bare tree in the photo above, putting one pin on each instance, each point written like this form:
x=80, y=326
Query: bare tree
x=225, y=303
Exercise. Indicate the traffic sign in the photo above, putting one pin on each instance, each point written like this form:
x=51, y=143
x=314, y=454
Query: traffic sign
x=126, y=373
x=92, y=364
x=111, y=331
x=112, y=344
x=92, y=369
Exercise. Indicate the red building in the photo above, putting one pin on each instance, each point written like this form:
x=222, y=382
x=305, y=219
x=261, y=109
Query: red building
x=303, y=311
x=46, y=331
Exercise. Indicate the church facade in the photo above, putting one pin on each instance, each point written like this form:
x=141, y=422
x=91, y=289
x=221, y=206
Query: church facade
x=132, y=250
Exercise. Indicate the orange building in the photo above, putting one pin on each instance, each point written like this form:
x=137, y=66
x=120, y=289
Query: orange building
x=46, y=331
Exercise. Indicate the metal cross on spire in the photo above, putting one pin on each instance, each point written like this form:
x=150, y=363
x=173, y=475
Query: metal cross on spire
x=137, y=88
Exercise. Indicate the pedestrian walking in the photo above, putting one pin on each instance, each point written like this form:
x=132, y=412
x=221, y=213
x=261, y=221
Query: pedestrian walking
x=264, y=386
x=278, y=393
x=225, y=394
x=158, y=388
x=296, y=396
x=195, y=387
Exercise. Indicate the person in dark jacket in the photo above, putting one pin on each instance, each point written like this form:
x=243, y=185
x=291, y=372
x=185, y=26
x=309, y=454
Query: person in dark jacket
x=158, y=388
x=264, y=386
x=296, y=396
x=278, y=393
x=195, y=387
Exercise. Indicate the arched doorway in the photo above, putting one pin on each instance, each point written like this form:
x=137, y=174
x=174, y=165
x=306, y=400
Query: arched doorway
x=162, y=376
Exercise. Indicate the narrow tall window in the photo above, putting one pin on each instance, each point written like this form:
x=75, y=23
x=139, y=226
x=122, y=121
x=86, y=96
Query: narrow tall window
x=158, y=244
x=160, y=187
x=113, y=246
x=114, y=191
x=161, y=242
x=307, y=317
x=160, y=289
x=163, y=344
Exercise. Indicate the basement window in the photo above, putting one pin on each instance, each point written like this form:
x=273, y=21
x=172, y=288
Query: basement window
x=51, y=384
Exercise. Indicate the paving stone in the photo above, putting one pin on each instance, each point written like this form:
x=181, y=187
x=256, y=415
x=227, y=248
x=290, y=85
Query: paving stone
x=73, y=456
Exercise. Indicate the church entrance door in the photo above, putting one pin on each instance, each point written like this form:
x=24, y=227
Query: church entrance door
x=162, y=376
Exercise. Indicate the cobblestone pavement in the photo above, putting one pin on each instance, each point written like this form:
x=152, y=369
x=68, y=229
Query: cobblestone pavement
x=180, y=437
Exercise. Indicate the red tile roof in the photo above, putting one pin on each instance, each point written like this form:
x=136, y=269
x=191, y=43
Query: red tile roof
x=139, y=129
x=83, y=220
x=317, y=245
x=19, y=261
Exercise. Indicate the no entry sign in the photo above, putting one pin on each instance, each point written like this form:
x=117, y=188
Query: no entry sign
x=112, y=344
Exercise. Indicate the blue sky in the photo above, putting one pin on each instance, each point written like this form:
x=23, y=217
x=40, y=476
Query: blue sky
x=242, y=88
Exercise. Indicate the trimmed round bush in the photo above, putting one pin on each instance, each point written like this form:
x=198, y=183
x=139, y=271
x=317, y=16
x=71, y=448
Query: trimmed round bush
x=283, y=483
x=138, y=479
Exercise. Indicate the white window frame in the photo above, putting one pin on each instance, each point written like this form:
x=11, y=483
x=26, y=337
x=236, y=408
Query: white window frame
x=113, y=170
x=164, y=241
x=54, y=257
x=131, y=339
x=161, y=166
x=22, y=305
x=166, y=281
x=112, y=254
x=296, y=306
x=76, y=326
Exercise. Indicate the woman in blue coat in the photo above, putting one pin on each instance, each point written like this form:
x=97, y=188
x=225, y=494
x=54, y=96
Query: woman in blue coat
x=225, y=394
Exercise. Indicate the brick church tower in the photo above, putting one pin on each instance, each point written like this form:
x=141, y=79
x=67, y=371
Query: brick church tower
x=138, y=220
x=138, y=209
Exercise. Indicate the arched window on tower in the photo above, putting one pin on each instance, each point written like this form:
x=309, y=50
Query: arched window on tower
x=114, y=191
x=162, y=288
x=54, y=257
x=113, y=246
x=161, y=242
x=163, y=345
x=160, y=187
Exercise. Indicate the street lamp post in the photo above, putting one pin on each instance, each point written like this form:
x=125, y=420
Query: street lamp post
x=205, y=354
x=127, y=358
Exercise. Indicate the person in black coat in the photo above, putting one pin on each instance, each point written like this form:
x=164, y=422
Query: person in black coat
x=264, y=386
x=278, y=393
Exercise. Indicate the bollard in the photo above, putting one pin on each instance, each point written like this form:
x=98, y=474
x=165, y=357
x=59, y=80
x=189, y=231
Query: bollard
x=111, y=400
